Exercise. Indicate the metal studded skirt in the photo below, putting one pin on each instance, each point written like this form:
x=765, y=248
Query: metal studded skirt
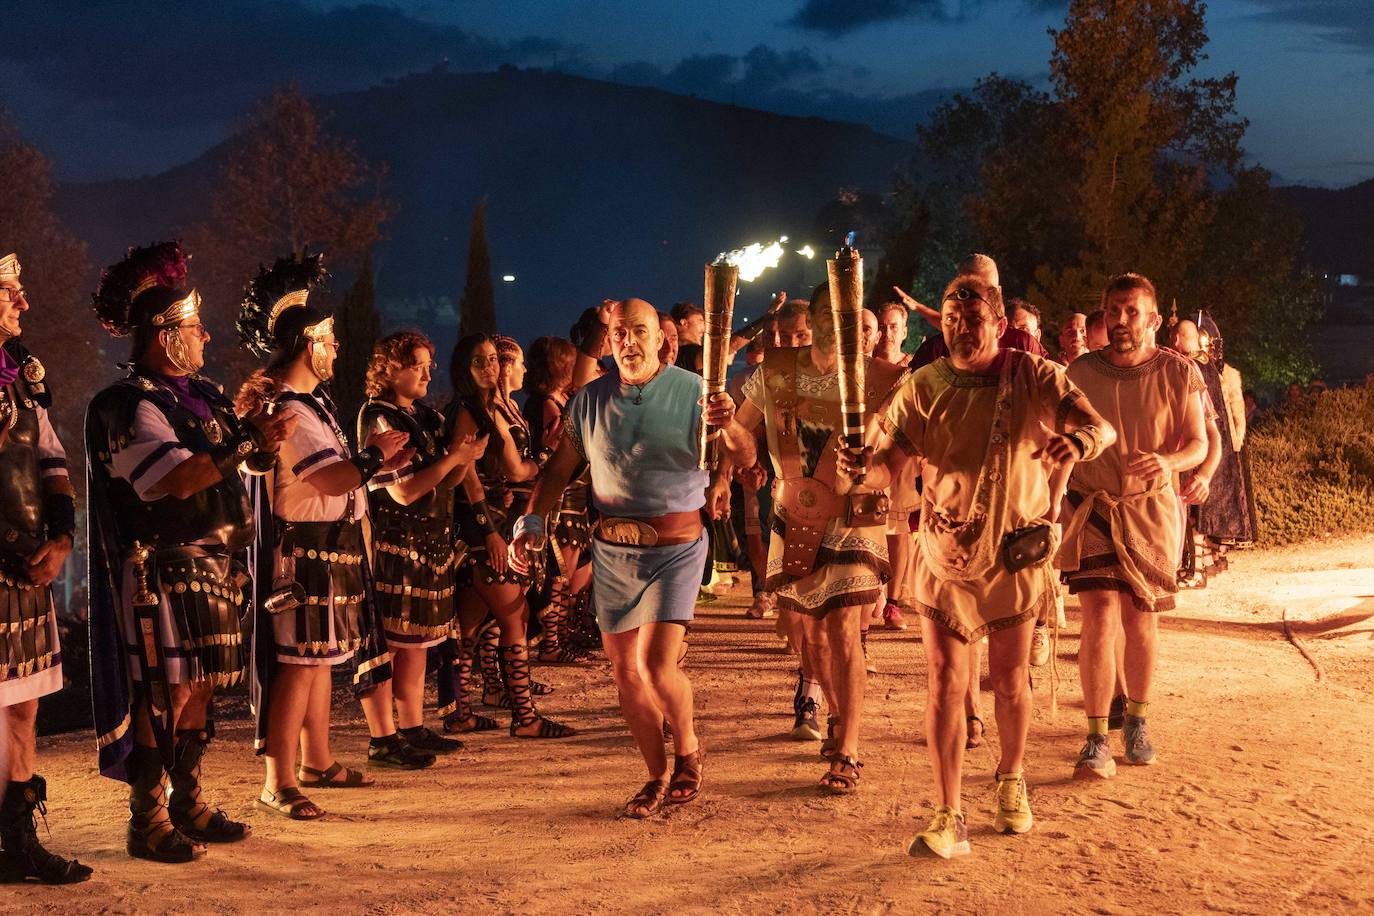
x=200, y=605
x=413, y=562
x=28, y=636
x=322, y=564
x=573, y=527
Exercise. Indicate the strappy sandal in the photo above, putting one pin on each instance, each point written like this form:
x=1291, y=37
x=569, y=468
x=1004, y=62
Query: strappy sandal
x=975, y=738
x=648, y=802
x=473, y=723
x=686, y=778
x=843, y=777
x=287, y=802
x=539, y=689
x=311, y=778
x=547, y=729
x=398, y=755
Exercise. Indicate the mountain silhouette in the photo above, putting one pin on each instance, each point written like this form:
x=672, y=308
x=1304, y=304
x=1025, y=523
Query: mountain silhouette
x=594, y=189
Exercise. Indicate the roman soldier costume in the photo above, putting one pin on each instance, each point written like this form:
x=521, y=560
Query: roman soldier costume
x=167, y=573
x=37, y=505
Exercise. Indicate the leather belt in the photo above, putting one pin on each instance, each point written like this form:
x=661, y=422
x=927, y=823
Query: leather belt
x=659, y=531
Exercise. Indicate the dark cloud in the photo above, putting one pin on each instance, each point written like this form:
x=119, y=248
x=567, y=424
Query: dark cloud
x=1348, y=22
x=794, y=82
x=839, y=17
x=144, y=65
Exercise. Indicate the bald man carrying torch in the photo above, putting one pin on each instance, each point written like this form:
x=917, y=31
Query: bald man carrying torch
x=638, y=428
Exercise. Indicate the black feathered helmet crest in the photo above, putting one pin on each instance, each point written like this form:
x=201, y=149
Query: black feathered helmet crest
x=278, y=317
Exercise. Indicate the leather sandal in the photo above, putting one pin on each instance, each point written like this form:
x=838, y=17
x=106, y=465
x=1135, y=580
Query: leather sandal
x=648, y=801
x=686, y=778
x=288, y=802
x=397, y=754
x=311, y=778
x=843, y=776
x=473, y=723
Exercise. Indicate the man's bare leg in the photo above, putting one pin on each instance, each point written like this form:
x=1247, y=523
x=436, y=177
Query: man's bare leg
x=847, y=677
x=1009, y=670
x=947, y=674
x=1097, y=671
x=1142, y=650
x=314, y=733
x=660, y=646
x=636, y=701
x=290, y=697
x=408, y=685
x=23, y=723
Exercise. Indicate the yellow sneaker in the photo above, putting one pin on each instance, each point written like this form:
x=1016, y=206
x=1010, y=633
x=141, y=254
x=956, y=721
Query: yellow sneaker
x=946, y=836
x=1013, y=805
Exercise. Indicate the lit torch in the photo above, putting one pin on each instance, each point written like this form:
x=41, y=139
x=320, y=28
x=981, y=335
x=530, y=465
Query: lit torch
x=846, y=272
x=719, y=305
x=722, y=276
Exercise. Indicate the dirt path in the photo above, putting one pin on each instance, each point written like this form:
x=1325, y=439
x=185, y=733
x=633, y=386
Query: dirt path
x=1260, y=802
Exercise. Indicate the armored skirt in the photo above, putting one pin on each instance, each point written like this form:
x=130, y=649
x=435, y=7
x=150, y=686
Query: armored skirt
x=318, y=601
x=414, y=559
x=850, y=570
x=30, y=658
x=199, y=601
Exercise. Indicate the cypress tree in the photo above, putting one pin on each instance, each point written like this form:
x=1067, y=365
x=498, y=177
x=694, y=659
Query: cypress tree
x=477, y=308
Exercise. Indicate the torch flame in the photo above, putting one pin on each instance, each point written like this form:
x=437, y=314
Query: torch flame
x=807, y=252
x=753, y=259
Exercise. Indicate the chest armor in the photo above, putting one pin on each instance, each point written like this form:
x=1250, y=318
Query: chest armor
x=21, y=500
x=425, y=426
x=221, y=513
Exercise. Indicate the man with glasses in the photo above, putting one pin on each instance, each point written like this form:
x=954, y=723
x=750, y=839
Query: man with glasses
x=988, y=422
x=169, y=519
x=38, y=516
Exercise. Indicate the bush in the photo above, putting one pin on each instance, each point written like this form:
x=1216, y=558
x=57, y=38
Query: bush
x=1313, y=468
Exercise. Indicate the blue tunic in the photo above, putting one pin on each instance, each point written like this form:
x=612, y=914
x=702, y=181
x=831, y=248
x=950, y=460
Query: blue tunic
x=643, y=460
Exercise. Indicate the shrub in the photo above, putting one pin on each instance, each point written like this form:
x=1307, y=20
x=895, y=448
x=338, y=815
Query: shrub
x=1312, y=466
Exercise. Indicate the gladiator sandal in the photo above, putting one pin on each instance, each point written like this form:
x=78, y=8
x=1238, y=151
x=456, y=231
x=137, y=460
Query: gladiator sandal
x=494, y=691
x=515, y=662
x=555, y=647
x=22, y=857
x=152, y=835
x=463, y=719
x=582, y=633
x=196, y=820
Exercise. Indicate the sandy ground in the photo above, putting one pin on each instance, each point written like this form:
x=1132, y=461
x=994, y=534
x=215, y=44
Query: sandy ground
x=1260, y=802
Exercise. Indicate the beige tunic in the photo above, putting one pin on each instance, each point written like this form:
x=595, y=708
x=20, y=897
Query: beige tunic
x=1126, y=532
x=979, y=483
x=852, y=563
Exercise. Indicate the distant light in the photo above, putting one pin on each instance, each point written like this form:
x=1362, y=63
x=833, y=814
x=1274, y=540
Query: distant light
x=509, y=278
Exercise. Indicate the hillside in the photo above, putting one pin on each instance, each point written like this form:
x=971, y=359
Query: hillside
x=1338, y=226
x=594, y=188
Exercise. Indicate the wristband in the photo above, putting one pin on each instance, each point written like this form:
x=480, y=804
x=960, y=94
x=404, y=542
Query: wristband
x=231, y=454
x=1089, y=438
x=59, y=511
x=483, y=517
x=1077, y=443
x=368, y=461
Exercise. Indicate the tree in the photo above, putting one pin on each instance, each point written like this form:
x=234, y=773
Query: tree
x=477, y=308
x=1129, y=163
x=57, y=278
x=357, y=326
x=286, y=186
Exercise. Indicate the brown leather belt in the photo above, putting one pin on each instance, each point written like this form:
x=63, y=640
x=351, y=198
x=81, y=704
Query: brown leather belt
x=808, y=506
x=659, y=531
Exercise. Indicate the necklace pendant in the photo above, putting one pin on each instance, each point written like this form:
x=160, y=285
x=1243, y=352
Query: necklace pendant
x=639, y=397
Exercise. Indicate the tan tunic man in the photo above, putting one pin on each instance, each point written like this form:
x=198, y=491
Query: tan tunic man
x=990, y=425
x=827, y=558
x=1123, y=541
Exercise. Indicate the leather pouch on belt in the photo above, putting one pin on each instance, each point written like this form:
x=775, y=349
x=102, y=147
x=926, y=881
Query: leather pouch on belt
x=864, y=510
x=809, y=507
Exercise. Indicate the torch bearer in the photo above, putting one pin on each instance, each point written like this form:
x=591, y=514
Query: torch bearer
x=846, y=272
x=719, y=305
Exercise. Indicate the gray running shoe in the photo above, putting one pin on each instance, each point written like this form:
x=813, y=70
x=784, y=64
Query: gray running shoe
x=1136, y=735
x=1095, y=760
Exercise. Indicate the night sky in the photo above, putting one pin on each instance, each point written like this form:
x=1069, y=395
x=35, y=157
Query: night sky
x=120, y=89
